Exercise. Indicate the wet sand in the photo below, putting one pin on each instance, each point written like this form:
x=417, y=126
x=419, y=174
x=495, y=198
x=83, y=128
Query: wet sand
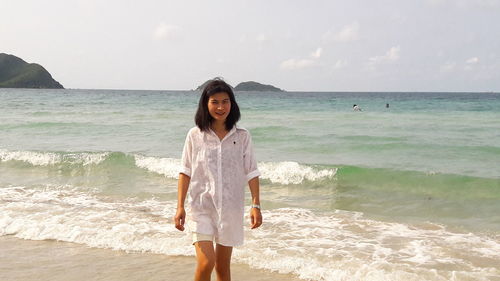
x=52, y=260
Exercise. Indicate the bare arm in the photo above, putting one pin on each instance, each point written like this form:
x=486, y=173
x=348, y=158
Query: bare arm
x=182, y=188
x=255, y=214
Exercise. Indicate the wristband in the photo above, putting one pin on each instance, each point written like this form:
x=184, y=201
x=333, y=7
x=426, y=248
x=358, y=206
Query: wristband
x=256, y=206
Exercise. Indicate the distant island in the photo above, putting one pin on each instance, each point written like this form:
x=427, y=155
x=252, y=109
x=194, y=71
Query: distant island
x=16, y=73
x=247, y=86
x=255, y=86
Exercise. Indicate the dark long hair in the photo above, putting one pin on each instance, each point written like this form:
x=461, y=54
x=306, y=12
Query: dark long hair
x=203, y=118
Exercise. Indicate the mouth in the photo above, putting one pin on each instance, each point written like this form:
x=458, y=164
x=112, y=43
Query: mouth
x=220, y=113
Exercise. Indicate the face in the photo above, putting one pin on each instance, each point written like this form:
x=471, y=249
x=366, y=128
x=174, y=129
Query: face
x=219, y=106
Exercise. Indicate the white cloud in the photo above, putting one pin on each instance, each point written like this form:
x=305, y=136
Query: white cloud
x=263, y=41
x=472, y=60
x=470, y=63
x=317, y=53
x=242, y=39
x=294, y=64
x=466, y=4
x=448, y=67
x=436, y=2
x=166, y=31
x=262, y=38
x=340, y=64
x=390, y=56
x=348, y=33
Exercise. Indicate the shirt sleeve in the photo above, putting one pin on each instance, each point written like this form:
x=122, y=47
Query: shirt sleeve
x=186, y=160
x=249, y=162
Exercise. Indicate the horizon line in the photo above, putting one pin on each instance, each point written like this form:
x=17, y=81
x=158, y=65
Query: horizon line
x=283, y=91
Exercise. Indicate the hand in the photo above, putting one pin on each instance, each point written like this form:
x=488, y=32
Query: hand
x=180, y=218
x=255, y=217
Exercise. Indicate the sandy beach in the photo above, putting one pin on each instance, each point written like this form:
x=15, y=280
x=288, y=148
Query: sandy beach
x=53, y=260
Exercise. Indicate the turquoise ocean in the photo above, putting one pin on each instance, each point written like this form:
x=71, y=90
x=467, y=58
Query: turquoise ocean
x=405, y=192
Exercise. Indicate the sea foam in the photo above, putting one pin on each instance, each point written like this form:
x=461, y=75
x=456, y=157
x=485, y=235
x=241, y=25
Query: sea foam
x=286, y=172
x=63, y=213
x=276, y=172
x=292, y=172
x=340, y=245
x=36, y=158
x=168, y=167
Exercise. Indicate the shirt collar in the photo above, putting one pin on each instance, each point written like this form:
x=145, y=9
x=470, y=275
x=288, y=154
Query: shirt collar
x=225, y=137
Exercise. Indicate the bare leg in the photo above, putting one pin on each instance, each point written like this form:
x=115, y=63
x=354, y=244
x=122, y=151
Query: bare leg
x=205, y=257
x=223, y=262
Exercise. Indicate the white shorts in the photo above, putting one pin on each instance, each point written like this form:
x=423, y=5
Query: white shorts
x=197, y=237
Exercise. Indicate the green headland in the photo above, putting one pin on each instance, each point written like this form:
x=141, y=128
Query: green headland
x=16, y=73
x=248, y=86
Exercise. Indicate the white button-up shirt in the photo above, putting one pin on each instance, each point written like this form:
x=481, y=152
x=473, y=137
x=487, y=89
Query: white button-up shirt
x=219, y=171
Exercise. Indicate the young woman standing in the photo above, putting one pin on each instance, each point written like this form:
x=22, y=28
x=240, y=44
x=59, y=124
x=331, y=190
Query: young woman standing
x=217, y=163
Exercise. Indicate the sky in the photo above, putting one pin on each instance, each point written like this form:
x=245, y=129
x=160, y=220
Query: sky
x=296, y=45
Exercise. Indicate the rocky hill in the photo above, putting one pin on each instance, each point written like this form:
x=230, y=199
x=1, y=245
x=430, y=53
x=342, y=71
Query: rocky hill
x=16, y=73
x=247, y=86
x=255, y=86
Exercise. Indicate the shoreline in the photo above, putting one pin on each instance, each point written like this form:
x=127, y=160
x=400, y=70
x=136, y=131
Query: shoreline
x=55, y=260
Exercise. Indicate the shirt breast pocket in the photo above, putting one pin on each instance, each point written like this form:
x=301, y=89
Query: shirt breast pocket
x=233, y=154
